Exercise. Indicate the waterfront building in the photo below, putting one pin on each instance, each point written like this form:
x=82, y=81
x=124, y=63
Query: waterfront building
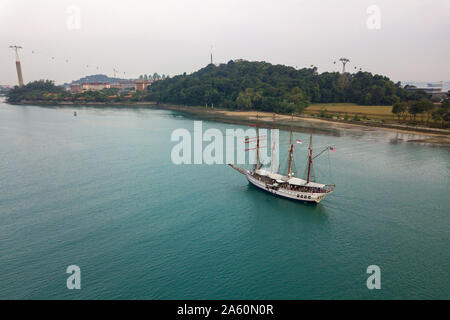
x=75, y=88
x=435, y=90
x=142, y=84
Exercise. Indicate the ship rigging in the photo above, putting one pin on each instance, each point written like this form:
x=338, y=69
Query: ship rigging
x=286, y=185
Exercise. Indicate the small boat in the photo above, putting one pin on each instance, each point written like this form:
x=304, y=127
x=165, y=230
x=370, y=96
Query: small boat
x=286, y=185
x=75, y=114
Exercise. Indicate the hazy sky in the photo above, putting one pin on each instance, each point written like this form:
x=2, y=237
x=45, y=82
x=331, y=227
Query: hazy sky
x=175, y=36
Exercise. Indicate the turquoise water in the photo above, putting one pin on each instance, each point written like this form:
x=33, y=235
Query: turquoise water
x=99, y=191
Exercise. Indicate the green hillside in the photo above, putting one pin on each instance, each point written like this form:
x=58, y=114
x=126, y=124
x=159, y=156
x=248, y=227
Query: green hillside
x=263, y=86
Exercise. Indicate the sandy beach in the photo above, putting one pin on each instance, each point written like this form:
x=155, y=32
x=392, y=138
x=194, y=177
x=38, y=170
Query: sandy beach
x=415, y=134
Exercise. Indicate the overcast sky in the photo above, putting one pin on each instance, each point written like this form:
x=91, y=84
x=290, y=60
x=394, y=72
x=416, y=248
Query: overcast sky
x=175, y=36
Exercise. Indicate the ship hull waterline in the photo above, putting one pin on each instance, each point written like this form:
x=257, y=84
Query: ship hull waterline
x=304, y=197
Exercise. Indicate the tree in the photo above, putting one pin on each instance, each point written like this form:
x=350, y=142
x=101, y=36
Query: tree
x=415, y=108
x=420, y=107
x=244, y=99
x=442, y=113
x=34, y=91
x=399, y=108
x=427, y=106
x=298, y=100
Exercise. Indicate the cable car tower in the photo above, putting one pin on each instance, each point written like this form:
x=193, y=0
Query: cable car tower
x=18, y=66
x=344, y=62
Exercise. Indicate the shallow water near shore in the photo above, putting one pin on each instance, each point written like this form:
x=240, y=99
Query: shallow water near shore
x=99, y=191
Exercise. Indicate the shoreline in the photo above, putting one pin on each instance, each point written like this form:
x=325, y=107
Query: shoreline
x=431, y=135
x=79, y=104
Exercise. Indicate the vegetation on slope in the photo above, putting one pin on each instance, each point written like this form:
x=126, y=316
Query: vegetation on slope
x=45, y=91
x=262, y=86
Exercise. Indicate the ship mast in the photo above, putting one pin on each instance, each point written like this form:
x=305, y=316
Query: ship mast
x=257, y=143
x=291, y=147
x=309, y=157
x=273, y=142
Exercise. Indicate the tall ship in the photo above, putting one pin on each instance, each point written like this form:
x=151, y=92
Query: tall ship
x=287, y=185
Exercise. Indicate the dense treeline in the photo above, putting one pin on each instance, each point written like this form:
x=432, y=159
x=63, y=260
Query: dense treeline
x=259, y=86
x=33, y=91
x=46, y=91
x=263, y=86
x=425, y=108
x=241, y=85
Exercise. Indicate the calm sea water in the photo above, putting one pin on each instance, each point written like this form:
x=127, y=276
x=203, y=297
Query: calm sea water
x=99, y=191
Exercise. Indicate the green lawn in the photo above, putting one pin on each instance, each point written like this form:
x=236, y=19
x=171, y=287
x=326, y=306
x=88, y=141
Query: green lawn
x=341, y=109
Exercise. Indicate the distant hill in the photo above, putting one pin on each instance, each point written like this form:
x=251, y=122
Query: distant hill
x=94, y=78
x=246, y=85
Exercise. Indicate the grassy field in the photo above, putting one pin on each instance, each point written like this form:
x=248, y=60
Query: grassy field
x=339, y=110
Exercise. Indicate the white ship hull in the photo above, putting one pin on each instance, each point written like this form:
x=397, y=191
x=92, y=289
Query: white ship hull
x=290, y=194
x=286, y=186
